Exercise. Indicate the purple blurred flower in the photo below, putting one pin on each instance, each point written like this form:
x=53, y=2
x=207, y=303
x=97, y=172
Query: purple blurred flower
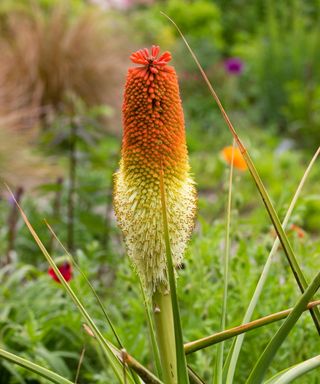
x=16, y=196
x=233, y=65
x=11, y=200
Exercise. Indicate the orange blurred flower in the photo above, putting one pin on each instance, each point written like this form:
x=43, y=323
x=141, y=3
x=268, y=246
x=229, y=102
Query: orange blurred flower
x=238, y=160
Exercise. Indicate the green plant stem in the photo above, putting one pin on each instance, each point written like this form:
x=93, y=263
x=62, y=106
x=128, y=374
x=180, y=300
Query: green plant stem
x=72, y=184
x=193, y=377
x=116, y=358
x=56, y=209
x=144, y=373
x=152, y=334
x=219, y=360
x=80, y=364
x=41, y=371
x=182, y=374
x=147, y=376
x=205, y=342
x=297, y=272
x=119, y=342
x=236, y=347
x=163, y=316
x=12, y=225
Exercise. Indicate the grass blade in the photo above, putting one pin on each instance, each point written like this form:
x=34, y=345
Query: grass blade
x=41, y=371
x=297, y=272
x=236, y=347
x=107, y=347
x=181, y=358
x=116, y=358
x=193, y=377
x=153, y=339
x=260, y=369
x=296, y=371
x=120, y=344
x=79, y=365
x=219, y=360
x=205, y=342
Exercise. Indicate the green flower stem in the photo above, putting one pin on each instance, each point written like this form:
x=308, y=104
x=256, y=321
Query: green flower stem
x=41, y=371
x=205, y=342
x=163, y=316
x=181, y=363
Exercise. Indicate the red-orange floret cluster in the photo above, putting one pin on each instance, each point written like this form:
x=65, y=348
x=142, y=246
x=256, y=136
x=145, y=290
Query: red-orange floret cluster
x=153, y=140
x=153, y=117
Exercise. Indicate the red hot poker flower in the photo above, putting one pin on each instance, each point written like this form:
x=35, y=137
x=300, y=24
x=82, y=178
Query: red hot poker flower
x=153, y=140
x=65, y=269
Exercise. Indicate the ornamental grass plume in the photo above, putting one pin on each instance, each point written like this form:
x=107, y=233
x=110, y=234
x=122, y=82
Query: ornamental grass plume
x=153, y=142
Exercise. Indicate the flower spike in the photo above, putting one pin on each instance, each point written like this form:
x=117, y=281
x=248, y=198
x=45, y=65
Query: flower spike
x=153, y=141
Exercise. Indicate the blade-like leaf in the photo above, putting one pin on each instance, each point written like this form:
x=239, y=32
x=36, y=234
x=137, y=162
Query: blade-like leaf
x=297, y=272
x=106, y=345
x=236, y=346
x=260, y=369
x=296, y=371
x=41, y=371
x=116, y=358
x=120, y=345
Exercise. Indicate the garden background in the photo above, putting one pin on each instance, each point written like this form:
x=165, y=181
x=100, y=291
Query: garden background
x=62, y=72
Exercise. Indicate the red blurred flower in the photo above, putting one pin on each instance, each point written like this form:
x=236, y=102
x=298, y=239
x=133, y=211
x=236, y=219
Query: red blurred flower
x=65, y=269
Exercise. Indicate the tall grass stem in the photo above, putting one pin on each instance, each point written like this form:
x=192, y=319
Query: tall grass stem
x=259, y=371
x=220, y=349
x=235, y=350
x=208, y=341
x=296, y=270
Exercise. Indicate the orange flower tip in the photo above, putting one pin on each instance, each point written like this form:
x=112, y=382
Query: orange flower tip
x=238, y=160
x=151, y=60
